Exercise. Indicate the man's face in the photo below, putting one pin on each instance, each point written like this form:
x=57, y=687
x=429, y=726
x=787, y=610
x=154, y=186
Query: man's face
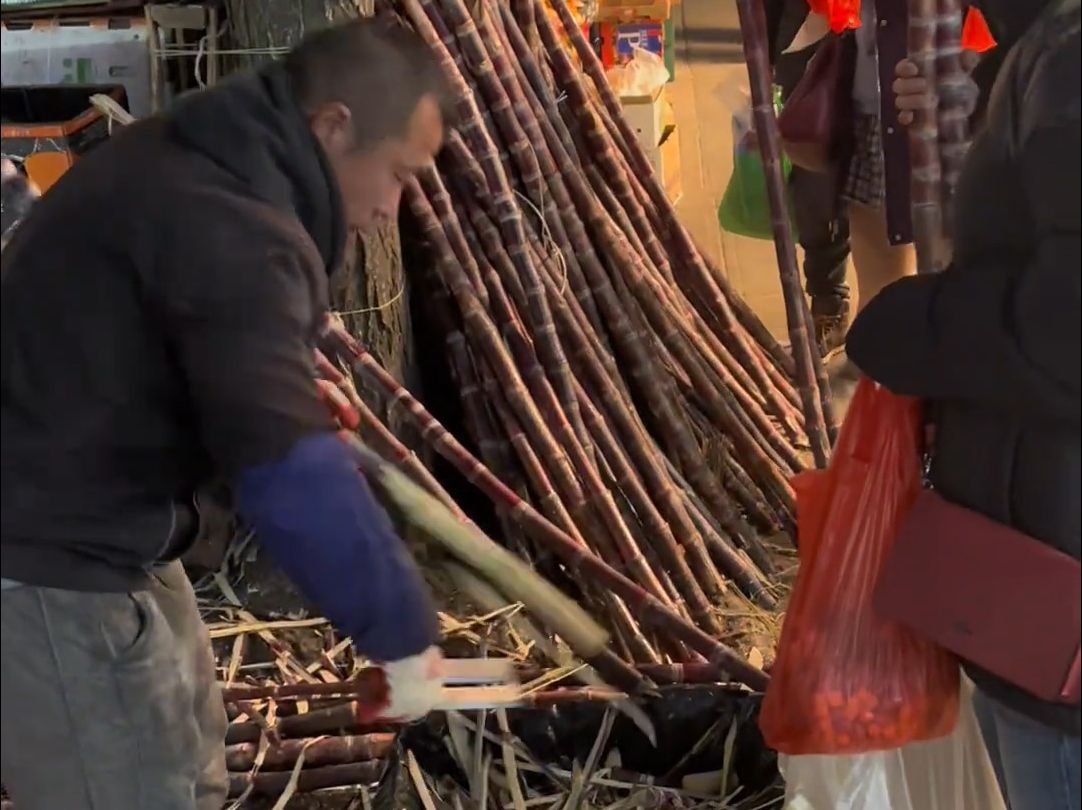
x=371, y=179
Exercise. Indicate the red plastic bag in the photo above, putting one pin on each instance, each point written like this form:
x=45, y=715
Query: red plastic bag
x=975, y=33
x=842, y=15
x=846, y=681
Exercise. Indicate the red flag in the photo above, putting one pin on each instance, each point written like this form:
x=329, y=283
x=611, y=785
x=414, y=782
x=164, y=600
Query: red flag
x=840, y=14
x=975, y=33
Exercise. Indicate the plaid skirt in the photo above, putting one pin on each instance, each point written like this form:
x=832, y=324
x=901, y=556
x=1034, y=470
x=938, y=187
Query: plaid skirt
x=864, y=180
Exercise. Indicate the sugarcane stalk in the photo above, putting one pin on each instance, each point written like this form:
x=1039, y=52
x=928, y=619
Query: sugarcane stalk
x=925, y=187
x=954, y=91
x=649, y=609
x=489, y=598
x=801, y=336
x=481, y=553
x=599, y=495
x=481, y=329
x=623, y=623
x=551, y=171
x=377, y=434
x=662, y=490
x=337, y=719
x=274, y=782
x=495, y=452
x=318, y=751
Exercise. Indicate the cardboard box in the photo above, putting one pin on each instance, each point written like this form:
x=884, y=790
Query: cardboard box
x=648, y=116
x=618, y=41
x=665, y=158
x=99, y=50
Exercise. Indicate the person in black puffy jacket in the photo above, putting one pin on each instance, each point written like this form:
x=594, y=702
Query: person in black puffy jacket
x=161, y=305
x=992, y=343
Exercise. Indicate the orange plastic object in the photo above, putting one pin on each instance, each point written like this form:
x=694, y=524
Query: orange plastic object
x=975, y=33
x=846, y=681
x=841, y=14
x=45, y=168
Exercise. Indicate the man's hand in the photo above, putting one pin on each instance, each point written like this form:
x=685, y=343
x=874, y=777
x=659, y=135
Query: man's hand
x=415, y=685
x=336, y=391
x=411, y=688
x=912, y=93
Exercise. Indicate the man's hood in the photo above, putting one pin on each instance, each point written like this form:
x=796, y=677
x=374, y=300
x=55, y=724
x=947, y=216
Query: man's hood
x=251, y=126
x=1008, y=20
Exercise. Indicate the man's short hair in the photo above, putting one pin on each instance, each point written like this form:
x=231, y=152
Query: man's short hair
x=379, y=69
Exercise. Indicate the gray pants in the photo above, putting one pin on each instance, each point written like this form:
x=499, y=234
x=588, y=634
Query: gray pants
x=110, y=700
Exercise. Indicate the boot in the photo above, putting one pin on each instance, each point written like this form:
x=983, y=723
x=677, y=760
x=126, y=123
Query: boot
x=830, y=316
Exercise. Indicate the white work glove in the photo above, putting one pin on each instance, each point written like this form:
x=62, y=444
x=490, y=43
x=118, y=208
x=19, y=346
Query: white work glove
x=414, y=685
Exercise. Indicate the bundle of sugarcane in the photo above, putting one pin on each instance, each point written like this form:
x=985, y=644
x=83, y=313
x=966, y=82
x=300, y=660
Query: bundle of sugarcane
x=633, y=417
x=632, y=607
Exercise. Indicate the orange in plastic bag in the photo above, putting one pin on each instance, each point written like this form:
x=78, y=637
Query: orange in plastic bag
x=846, y=681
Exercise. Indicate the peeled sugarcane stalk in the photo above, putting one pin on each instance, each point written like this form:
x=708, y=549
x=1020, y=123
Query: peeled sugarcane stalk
x=649, y=610
x=373, y=428
x=954, y=91
x=467, y=543
x=488, y=597
x=925, y=189
x=688, y=672
x=317, y=751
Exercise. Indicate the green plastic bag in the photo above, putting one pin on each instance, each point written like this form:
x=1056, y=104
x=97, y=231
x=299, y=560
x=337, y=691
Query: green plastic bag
x=745, y=208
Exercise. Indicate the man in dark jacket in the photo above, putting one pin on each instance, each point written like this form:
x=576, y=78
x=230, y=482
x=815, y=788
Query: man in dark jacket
x=993, y=343
x=160, y=305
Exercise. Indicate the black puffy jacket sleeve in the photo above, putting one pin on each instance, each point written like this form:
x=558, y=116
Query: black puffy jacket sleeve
x=240, y=305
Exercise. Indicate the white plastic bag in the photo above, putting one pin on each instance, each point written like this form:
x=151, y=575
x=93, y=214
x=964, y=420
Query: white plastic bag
x=642, y=75
x=952, y=773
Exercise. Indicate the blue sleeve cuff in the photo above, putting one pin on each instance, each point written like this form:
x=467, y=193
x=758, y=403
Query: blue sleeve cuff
x=315, y=515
